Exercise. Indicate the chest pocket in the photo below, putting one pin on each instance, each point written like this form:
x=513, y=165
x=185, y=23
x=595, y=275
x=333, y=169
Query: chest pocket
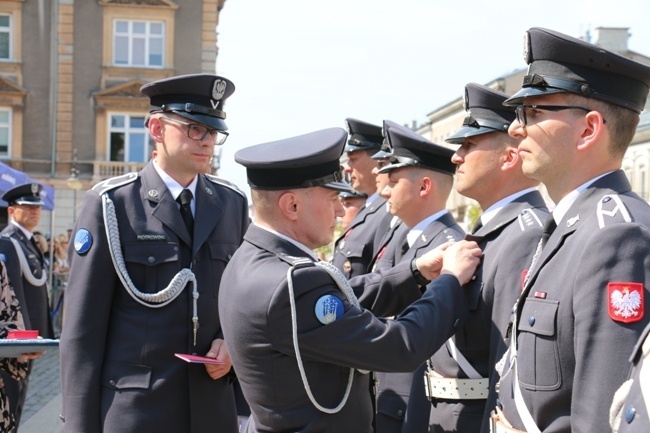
x=353, y=250
x=151, y=265
x=220, y=255
x=35, y=265
x=538, y=355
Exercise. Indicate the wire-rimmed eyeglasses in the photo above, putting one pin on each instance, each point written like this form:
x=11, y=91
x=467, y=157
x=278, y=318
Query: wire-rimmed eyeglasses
x=520, y=111
x=198, y=132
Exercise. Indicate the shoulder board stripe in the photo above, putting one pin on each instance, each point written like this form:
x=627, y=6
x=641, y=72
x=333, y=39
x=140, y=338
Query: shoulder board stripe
x=611, y=209
x=114, y=182
x=223, y=182
x=527, y=218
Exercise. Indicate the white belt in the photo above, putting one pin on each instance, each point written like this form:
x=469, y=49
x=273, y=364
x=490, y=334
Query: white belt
x=455, y=389
x=499, y=424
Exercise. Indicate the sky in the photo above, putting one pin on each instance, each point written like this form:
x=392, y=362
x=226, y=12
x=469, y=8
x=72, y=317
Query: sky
x=303, y=65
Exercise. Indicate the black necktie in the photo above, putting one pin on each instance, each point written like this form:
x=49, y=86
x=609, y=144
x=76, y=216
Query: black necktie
x=477, y=226
x=549, y=227
x=184, y=199
x=405, y=247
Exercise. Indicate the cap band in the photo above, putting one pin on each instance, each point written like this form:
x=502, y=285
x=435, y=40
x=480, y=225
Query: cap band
x=192, y=108
x=485, y=123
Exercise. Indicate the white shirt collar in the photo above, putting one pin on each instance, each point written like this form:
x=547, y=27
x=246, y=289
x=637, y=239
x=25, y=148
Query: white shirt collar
x=23, y=229
x=293, y=241
x=371, y=199
x=416, y=231
x=567, y=201
x=176, y=188
x=493, y=210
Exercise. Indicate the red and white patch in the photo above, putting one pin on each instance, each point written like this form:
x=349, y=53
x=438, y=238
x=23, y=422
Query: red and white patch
x=625, y=302
x=524, y=275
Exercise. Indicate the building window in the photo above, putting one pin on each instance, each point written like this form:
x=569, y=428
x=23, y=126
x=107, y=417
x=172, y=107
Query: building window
x=5, y=37
x=129, y=139
x=138, y=43
x=5, y=132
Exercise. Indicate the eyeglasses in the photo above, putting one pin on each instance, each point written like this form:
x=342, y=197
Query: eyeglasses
x=520, y=111
x=198, y=132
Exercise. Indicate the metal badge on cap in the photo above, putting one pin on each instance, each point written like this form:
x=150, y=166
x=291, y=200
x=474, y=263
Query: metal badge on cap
x=466, y=101
x=527, y=49
x=218, y=89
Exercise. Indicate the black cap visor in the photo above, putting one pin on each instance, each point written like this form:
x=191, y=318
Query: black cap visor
x=469, y=131
x=518, y=98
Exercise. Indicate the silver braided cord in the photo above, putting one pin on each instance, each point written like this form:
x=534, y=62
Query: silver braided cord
x=24, y=266
x=343, y=284
x=151, y=300
x=340, y=281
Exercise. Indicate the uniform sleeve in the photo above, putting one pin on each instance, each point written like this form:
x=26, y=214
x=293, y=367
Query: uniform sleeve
x=89, y=294
x=14, y=273
x=10, y=318
x=611, y=261
x=356, y=338
x=388, y=291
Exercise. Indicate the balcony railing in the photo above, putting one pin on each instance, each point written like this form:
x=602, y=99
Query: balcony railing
x=105, y=169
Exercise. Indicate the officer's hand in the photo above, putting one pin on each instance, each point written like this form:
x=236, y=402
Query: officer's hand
x=430, y=263
x=28, y=356
x=461, y=260
x=219, y=351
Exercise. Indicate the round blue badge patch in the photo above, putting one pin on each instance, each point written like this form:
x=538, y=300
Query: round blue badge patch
x=328, y=308
x=83, y=240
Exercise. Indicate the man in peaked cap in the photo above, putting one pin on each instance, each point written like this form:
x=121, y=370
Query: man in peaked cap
x=358, y=244
x=352, y=201
x=148, y=253
x=396, y=229
x=488, y=171
x=27, y=271
x=420, y=178
x=295, y=332
x=583, y=304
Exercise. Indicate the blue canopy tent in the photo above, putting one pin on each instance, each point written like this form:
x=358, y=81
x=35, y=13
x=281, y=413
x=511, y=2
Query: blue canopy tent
x=10, y=177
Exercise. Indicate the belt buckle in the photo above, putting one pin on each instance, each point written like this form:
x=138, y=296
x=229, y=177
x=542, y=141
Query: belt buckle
x=427, y=386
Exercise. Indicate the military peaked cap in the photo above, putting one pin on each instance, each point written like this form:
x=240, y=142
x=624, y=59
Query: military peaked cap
x=353, y=193
x=385, y=150
x=410, y=149
x=485, y=113
x=298, y=162
x=28, y=193
x=561, y=64
x=197, y=97
x=363, y=135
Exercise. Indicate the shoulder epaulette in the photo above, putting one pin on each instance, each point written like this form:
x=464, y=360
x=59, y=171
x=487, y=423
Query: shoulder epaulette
x=223, y=182
x=297, y=262
x=114, y=182
x=611, y=209
x=528, y=219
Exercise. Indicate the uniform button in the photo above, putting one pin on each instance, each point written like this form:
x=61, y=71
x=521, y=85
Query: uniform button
x=456, y=323
x=531, y=320
x=400, y=413
x=111, y=383
x=630, y=412
x=151, y=259
x=606, y=199
x=229, y=256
